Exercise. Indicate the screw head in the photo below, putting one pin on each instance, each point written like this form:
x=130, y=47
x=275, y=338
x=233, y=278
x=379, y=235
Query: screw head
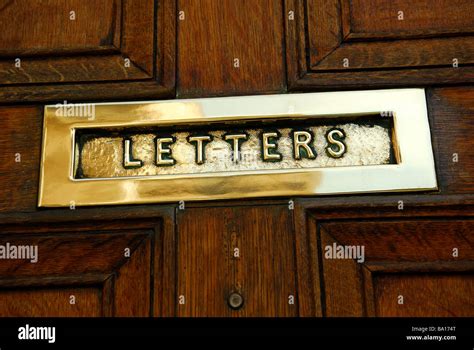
x=235, y=301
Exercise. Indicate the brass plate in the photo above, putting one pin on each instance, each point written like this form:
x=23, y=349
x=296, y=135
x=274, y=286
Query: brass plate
x=385, y=137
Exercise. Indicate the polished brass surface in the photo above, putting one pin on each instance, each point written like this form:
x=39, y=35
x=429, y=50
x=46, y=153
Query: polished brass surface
x=82, y=163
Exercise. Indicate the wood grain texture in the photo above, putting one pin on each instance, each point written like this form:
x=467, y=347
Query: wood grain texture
x=19, y=140
x=317, y=62
x=64, y=70
x=343, y=80
x=435, y=295
x=214, y=33
x=343, y=283
x=92, y=267
x=138, y=33
x=190, y=252
x=451, y=112
x=164, y=265
x=32, y=27
x=133, y=284
x=393, y=248
x=144, y=33
x=146, y=279
x=79, y=92
x=67, y=253
x=338, y=54
x=387, y=55
x=208, y=272
x=49, y=302
x=50, y=20
x=379, y=18
x=418, y=239
x=403, y=240
x=327, y=15
x=308, y=262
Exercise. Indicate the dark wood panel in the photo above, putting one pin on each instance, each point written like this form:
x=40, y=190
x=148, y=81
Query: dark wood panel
x=80, y=92
x=381, y=79
x=20, y=139
x=393, y=252
x=208, y=272
x=403, y=240
x=323, y=38
x=323, y=52
x=48, y=68
x=310, y=293
x=438, y=51
x=164, y=262
x=203, y=259
x=451, y=112
x=134, y=60
x=138, y=33
x=397, y=242
x=67, y=253
x=32, y=27
x=388, y=55
x=380, y=18
x=67, y=70
x=342, y=283
x=49, y=302
x=64, y=235
x=132, y=288
x=434, y=295
x=109, y=274
x=329, y=34
x=214, y=33
x=406, y=250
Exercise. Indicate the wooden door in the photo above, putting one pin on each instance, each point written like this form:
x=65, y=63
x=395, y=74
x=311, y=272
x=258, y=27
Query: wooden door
x=246, y=251
x=259, y=257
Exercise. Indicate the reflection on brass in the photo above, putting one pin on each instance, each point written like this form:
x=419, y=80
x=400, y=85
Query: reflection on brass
x=281, y=145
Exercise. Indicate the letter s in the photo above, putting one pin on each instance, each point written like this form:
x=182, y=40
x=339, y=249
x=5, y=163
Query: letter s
x=336, y=147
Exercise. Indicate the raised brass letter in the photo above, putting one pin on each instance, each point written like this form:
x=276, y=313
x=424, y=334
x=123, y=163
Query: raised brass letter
x=338, y=143
x=163, y=154
x=303, y=139
x=236, y=140
x=269, y=145
x=128, y=161
x=200, y=141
